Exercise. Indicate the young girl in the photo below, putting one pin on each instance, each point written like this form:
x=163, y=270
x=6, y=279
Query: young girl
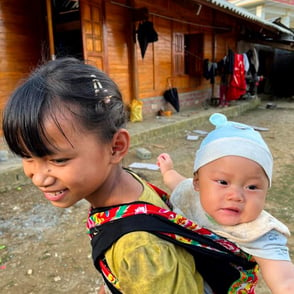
x=232, y=174
x=67, y=122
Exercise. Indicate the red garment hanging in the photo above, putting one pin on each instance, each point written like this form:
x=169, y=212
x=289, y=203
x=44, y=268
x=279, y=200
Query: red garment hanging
x=237, y=85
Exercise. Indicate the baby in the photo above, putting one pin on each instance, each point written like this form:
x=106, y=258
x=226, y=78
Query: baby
x=232, y=175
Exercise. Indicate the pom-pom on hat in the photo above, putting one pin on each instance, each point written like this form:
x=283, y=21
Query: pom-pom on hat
x=232, y=138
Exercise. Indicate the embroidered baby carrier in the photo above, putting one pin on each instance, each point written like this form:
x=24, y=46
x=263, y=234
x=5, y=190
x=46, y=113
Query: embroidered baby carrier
x=224, y=266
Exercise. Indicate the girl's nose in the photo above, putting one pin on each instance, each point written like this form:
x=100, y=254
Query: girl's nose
x=42, y=180
x=39, y=174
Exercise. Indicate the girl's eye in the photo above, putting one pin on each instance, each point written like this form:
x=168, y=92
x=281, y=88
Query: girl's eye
x=59, y=160
x=26, y=157
x=222, y=182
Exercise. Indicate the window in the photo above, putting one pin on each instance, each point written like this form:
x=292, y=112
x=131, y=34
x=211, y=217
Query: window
x=179, y=53
x=188, y=54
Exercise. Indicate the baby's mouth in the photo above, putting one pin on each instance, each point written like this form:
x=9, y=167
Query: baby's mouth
x=231, y=209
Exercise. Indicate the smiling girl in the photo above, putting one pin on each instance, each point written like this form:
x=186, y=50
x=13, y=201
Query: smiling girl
x=67, y=122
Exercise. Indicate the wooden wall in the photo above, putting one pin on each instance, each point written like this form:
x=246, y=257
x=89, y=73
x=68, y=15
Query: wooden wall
x=108, y=32
x=148, y=77
x=118, y=25
x=21, y=32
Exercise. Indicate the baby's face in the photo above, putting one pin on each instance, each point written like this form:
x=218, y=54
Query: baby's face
x=232, y=189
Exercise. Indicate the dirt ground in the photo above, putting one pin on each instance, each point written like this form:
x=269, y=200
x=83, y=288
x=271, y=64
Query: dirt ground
x=44, y=249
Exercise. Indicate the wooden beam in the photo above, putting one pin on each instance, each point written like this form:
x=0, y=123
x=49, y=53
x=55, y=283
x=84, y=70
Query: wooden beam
x=50, y=29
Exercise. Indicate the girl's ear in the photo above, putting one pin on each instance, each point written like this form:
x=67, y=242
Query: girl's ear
x=120, y=145
x=196, y=181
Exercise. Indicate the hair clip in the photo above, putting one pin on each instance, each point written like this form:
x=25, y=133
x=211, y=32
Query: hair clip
x=107, y=99
x=96, y=84
x=98, y=88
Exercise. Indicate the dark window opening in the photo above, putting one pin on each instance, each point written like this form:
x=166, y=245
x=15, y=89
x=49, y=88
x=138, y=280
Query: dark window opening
x=193, y=54
x=67, y=28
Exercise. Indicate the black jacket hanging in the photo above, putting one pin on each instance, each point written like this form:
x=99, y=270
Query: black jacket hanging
x=146, y=34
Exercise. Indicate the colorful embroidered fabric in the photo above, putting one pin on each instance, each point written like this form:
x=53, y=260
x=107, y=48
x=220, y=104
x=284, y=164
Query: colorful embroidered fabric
x=248, y=278
x=246, y=283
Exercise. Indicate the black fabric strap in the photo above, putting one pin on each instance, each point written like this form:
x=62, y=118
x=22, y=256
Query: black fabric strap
x=217, y=268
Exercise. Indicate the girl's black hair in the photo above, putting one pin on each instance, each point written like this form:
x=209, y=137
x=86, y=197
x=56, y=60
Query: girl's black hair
x=66, y=83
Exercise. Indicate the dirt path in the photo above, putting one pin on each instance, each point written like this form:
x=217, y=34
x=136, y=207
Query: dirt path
x=47, y=249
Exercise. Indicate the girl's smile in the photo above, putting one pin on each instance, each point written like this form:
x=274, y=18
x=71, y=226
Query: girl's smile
x=80, y=166
x=55, y=196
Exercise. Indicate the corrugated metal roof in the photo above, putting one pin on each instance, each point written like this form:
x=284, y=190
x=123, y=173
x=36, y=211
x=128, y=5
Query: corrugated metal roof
x=246, y=14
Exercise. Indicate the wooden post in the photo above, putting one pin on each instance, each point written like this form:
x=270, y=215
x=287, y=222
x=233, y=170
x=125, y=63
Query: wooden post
x=213, y=52
x=137, y=15
x=50, y=29
x=134, y=68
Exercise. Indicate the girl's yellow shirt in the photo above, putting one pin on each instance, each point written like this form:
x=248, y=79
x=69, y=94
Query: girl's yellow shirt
x=144, y=263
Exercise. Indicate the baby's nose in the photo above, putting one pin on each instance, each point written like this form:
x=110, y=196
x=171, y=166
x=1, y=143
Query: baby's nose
x=236, y=194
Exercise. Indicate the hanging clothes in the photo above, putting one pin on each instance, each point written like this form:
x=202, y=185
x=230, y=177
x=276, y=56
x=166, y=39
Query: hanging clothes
x=146, y=34
x=230, y=61
x=252, y=76
x=225, y=69
x=246, y=62
x=222, y=68
x=209, y=70
x=237, y=84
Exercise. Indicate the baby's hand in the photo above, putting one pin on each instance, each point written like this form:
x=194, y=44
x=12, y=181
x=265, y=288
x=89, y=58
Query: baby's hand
x=101, y=290
x=164, y=162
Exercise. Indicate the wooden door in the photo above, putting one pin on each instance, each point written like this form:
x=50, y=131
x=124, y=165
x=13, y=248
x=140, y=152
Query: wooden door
x=92, y=32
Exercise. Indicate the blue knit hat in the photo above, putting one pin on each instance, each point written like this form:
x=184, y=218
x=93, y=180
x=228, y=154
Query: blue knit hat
x=232, y=138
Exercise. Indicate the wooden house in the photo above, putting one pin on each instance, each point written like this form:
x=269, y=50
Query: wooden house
x=105, y=34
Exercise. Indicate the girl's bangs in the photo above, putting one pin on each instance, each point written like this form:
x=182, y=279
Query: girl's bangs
x=26, y=140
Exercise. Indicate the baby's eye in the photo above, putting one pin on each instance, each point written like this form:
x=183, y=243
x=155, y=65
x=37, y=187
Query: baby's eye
x=252, y=187
x=222, y=182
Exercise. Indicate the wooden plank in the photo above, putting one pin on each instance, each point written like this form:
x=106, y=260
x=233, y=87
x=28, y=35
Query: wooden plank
x=119, y=39
x=21, y=29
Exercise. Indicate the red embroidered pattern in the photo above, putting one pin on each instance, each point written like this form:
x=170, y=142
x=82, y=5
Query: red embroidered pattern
x=248, y=278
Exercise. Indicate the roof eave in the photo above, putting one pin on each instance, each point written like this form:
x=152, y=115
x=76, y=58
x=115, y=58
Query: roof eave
x=243, y=14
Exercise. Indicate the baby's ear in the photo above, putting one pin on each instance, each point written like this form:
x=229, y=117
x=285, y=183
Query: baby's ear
x=120, y=145
x=196, y=181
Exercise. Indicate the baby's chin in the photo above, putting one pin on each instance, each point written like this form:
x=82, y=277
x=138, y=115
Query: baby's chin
x=233, y=217
x=232, y=221
x=228, y=219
